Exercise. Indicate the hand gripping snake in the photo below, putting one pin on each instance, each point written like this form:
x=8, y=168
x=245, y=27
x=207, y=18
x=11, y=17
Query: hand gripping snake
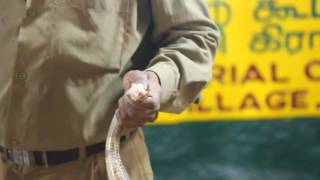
x=115, y=167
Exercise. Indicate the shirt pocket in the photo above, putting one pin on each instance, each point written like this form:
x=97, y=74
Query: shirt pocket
x=110, y=5
x=118, y=6
x=89, y=34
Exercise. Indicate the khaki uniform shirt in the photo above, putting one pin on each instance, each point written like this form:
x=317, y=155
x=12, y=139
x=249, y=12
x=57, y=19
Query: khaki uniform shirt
x=61, y=63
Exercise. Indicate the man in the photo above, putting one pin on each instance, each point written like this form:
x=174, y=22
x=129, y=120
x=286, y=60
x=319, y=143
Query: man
x=63, y=63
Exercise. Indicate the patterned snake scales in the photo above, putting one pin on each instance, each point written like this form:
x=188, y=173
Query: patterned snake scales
x=115, y=167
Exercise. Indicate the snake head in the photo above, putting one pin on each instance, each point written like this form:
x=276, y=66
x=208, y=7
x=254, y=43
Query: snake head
x=138, y=92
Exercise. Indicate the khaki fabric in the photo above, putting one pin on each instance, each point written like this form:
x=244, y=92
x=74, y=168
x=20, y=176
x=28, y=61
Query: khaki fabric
x=61, y=63
x=134, y=153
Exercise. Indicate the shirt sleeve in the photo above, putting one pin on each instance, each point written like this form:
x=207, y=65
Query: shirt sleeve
x=187, y=41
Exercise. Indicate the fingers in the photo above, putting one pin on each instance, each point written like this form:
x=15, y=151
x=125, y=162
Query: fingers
x=148, y=104
x=136, y=120
x=137, y=113
x=133, y=113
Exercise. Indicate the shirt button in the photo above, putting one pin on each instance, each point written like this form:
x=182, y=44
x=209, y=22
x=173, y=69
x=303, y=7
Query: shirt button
x=31, y=13
x=21, y=76
x=14, y=143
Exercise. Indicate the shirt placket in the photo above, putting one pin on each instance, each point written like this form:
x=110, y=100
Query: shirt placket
x=18, y=90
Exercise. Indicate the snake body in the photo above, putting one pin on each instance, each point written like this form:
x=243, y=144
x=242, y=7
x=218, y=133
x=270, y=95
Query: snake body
x=115, y=167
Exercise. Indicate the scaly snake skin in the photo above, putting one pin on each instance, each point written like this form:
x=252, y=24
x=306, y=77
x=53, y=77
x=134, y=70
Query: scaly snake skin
x=115, y=167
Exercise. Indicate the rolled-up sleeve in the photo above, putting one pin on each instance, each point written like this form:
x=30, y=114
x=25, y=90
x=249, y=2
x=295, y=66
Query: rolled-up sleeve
x=187, y=41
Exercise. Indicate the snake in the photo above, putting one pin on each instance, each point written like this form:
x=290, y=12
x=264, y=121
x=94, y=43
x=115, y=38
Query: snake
x=114, y=165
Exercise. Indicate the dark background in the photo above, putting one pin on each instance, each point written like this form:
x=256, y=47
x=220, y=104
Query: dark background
x=236, y=150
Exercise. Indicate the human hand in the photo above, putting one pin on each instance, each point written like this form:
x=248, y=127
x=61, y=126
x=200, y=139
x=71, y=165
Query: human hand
x=135, y=113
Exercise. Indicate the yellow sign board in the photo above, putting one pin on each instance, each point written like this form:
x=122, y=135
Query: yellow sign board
x=268, y=65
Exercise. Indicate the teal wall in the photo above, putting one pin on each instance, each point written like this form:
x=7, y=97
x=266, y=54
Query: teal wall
x=246, y=150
